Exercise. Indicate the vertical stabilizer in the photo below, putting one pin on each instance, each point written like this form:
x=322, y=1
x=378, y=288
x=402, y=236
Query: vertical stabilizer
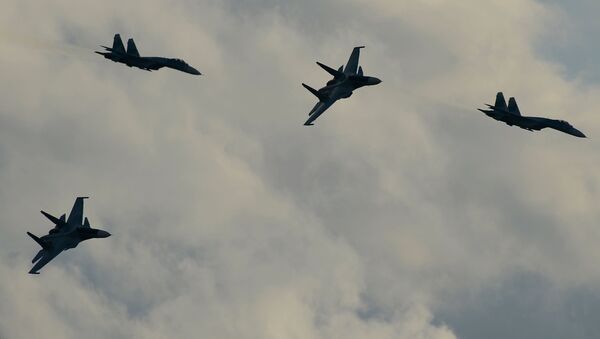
x=131, y=49
x=500, y=102
x=118, y=44
x=513, y=107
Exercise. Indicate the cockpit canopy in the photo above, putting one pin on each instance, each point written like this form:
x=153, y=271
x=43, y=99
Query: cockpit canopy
x=180, y=62
x=564, y=123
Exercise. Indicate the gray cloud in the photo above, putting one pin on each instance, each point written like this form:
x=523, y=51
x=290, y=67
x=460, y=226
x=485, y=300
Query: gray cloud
x=569, y=41
x=530, y=307
x=396, y=217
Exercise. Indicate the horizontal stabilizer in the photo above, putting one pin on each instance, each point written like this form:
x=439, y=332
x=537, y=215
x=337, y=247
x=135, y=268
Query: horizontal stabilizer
x=315, y=92
x=38, y=240
x=54, y=219
x=337, y=74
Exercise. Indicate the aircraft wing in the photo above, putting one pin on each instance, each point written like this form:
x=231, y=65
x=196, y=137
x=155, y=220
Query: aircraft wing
x=538, y=123
x=76, y=215
x=352, y=65
x=150, y=63
x=152, y=66
x=319, y=109
x=46, y=257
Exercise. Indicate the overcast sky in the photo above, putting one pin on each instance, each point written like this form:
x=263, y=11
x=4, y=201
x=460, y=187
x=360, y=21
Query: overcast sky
x=404, y=213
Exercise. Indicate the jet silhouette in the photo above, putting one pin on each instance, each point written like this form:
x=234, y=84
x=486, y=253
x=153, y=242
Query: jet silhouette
x=132, y=58
x=512, y=116
x=344, y=82
x=65, y=235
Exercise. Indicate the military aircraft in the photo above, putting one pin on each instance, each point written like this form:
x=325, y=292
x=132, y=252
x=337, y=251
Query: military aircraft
x=132, y=58
x=512, y=116
x=345, y=80
x=66, y=234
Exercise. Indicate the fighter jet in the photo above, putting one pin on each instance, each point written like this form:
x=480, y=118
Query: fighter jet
x=66, y=234
x=345, y=80
x=132, y=58
x=512, y=116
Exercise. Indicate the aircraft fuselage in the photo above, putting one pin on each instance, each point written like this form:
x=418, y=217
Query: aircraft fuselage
x=532, y=123
x=149, y=63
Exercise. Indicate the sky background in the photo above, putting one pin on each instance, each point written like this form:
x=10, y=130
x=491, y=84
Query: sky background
x=404, y=213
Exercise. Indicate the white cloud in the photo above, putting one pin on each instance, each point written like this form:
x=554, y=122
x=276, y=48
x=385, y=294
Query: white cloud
x=230, y=219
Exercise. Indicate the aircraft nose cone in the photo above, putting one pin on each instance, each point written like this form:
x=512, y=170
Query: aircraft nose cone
x=103, y=234
x=194, y=71
x=578, y=133
x=375, y=81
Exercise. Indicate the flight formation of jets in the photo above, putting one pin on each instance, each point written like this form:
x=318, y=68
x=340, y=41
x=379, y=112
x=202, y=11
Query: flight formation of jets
x=69, y=231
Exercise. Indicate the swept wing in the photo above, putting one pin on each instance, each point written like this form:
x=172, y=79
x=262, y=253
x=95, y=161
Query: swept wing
x=46, y=256
x=76, y=215
x=319, y=109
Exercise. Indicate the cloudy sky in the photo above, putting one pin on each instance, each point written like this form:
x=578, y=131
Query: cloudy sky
x=404, y=213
